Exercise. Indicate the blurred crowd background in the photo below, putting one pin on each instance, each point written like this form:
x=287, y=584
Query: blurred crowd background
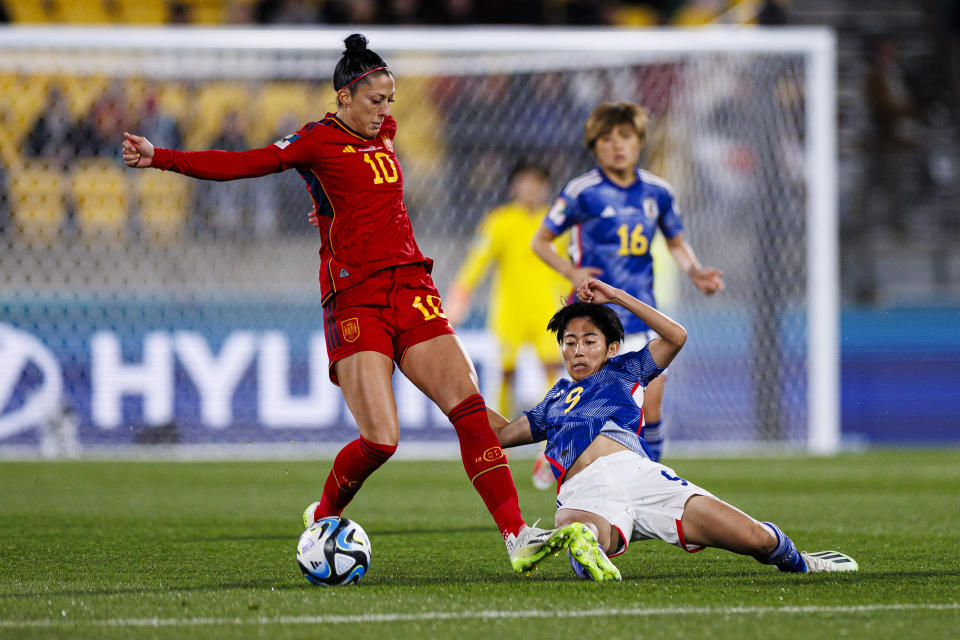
x=899, y=146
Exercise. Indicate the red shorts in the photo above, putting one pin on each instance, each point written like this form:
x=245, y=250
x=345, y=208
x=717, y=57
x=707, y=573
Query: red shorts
x=393, y=309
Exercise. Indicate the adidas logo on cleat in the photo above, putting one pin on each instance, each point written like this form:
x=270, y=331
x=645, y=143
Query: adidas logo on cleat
x=826, y=561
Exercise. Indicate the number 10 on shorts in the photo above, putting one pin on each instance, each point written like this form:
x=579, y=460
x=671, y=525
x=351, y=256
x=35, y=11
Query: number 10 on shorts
x=429, y=314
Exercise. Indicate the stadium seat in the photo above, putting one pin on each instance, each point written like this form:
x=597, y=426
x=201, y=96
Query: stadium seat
x=86, y=12
x=25, y=99
x=99, y=189
x=212, y=105
x=206, y=11
x=82, y=91
x=694, y=15
x=37, y=201
x=142, y=11
x=175, y=100
x=635, y=16
x=277, y=105
x=26, y=11
x=164, y=204
x=9, y=150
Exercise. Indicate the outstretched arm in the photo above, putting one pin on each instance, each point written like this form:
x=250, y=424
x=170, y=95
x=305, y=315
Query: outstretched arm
x=542, y=245
x=707, y=279
x=139, y=153
x=672, y=335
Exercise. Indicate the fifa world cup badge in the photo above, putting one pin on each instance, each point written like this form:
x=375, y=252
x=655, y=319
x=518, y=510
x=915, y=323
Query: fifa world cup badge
x=350, y=329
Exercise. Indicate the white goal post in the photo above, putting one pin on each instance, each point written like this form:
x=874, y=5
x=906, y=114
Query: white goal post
x=736, y=111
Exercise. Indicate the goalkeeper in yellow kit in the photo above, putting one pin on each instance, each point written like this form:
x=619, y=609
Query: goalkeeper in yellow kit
x=525, y=291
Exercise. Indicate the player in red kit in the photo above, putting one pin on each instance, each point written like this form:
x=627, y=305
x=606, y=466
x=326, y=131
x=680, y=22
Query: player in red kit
x=380, y=305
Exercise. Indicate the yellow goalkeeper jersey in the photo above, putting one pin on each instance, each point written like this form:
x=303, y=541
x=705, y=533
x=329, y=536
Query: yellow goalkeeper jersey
x=525, y=292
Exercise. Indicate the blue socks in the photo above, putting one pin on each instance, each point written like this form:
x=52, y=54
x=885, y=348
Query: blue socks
x=653, y=435
x=785, y=557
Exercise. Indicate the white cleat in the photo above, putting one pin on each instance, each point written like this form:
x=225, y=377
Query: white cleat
x=533, y=544
x=822, y=561
x=308, y=515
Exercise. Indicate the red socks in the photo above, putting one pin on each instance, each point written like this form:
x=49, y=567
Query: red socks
x=352, y=466
x=486, y=464
x=483, y=460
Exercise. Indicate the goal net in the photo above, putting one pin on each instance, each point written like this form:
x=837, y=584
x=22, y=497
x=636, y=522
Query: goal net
x=142, y=307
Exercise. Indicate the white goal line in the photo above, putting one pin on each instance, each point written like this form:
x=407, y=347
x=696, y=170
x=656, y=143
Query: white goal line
x=470, y=615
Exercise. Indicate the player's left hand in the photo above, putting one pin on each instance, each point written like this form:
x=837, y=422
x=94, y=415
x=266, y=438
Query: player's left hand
x=708, y=280
x=597, y=291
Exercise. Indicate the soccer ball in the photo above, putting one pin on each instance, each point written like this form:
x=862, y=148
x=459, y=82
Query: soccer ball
x=334, y=551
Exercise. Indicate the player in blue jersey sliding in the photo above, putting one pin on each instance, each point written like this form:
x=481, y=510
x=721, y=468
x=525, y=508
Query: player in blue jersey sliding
x=607, y=480
x=614, y=211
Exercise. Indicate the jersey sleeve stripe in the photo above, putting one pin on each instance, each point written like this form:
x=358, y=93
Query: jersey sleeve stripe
x=576, y=186
x=649, y=178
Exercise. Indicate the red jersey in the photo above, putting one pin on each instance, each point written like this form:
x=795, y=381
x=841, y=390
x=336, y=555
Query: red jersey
x=357, y=190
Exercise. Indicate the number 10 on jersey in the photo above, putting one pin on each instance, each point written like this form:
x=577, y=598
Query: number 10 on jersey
x=387, y=168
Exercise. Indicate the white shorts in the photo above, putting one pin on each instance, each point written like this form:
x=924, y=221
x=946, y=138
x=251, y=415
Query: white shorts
x=641, y=498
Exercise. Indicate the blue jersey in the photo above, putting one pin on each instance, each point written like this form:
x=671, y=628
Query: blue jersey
x=613, y=228
x=573, y=414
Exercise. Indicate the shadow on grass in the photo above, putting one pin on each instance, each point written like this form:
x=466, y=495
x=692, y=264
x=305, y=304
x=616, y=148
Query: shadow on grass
x=778, y=578
x=400, y=581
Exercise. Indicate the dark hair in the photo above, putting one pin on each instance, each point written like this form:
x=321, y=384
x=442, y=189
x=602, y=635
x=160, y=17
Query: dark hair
x=355, y=62
x=600, y=314
x=524, y=166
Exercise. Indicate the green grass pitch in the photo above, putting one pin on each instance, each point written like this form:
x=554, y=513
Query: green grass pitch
x=206, y=550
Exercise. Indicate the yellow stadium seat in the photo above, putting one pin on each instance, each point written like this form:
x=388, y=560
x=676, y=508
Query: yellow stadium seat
x=82, y=12
x=99, y=189
x=28, y=10
x=206, y=11
x=38, y=205
x=212, y=105
x=695, y=14
x=276, y=102
x=174, y=100
x=9, y=149
x=142, y=11
x=82, y=91
x=25, y=99
x=164, y=200
x=635, y=16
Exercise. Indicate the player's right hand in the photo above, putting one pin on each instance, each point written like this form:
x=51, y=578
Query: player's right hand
x=137, y=151
x=579, y=274
x=314, y=218
x=593, y=290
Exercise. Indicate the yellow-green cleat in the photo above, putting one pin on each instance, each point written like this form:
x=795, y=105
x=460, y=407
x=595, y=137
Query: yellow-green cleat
x=588, y=559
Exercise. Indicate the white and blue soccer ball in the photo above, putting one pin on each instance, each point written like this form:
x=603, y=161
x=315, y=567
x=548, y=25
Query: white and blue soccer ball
x=334, y=551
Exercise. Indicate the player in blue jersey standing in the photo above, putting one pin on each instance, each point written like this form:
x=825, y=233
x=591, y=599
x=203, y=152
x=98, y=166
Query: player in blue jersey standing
x=607, y=479
x=615, y=210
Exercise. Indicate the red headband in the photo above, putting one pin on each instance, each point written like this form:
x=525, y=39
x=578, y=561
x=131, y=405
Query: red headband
x=361, y=76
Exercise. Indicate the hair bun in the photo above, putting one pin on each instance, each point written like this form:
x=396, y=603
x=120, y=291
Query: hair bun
x=355, y=43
